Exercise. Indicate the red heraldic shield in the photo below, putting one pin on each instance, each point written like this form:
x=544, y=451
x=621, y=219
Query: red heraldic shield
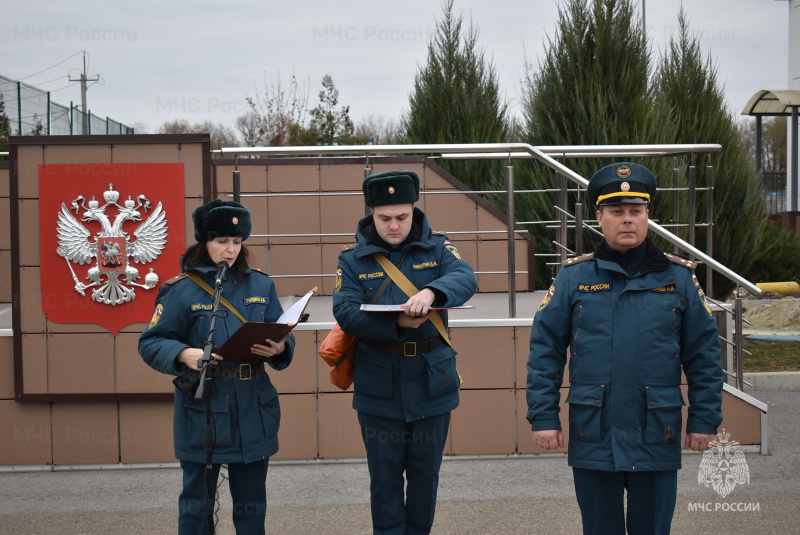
x=110, y=234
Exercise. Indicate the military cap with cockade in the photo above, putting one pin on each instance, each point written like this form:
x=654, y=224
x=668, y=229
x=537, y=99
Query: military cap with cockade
x=622, y=182
x=398, y=186
x=220, y=218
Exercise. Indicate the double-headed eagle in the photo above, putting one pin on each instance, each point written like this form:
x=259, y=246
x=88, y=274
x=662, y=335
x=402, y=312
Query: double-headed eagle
x=112, y=246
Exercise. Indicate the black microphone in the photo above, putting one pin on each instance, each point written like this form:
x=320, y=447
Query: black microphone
x=222, y=270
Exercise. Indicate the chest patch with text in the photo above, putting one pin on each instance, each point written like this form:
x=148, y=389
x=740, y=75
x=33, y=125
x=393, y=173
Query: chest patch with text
x=597, y=287
x=664, y=289
x=370, y=276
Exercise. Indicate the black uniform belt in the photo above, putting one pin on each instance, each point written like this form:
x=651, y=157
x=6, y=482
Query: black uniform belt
x=406, y=349
x=244, y=371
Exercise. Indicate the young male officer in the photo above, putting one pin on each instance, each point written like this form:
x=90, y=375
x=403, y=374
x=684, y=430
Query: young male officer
x=632, y=318
x=405, y=381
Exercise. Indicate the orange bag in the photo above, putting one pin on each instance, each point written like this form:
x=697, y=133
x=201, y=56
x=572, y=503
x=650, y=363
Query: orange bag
x=338, y=349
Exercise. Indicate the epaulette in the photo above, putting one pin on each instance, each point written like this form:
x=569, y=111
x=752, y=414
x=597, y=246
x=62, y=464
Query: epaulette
x=259, y=271
x=577, y=259
x=173, y=280
x=348, y=247
x=691, y=264
x=439, y=232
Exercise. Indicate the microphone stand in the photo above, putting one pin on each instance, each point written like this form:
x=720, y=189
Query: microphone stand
x=203, y=393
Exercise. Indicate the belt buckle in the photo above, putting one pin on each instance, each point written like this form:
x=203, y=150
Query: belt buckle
x=412, y=352
x=245, y=376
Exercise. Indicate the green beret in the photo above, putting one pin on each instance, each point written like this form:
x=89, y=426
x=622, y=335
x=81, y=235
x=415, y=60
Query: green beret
x=398, y=186
x=622, y=182
x=220, y=218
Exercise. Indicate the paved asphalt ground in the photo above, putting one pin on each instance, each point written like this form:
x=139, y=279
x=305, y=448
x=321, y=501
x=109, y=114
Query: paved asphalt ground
x=486, y=496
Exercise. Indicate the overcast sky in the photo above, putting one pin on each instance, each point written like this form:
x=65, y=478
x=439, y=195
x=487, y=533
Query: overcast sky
x=199, y=60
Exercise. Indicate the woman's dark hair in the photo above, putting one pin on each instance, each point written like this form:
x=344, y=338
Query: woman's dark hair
x=197, y=255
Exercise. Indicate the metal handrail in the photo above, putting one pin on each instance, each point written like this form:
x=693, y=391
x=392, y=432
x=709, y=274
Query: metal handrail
x=481, y=150
x=519, y=150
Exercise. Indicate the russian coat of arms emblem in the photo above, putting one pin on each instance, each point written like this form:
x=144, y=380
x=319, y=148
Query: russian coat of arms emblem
x=113, y=278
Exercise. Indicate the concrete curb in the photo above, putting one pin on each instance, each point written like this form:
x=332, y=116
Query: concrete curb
x=772, y=381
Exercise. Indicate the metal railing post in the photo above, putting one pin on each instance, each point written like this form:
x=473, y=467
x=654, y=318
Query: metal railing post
x=578, y=228
x=739, y=340
x=237, y=184
x=676, y=205
x=692, y=203
x=710, y=227
x=367, y=172
x=561, y=203
x=792, y=180
x=511, y=223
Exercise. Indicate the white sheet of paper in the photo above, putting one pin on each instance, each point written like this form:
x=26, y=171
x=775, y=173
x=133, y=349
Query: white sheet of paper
x=397, y=308
x=292, y=314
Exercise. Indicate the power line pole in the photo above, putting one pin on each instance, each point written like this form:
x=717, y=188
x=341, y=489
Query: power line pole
x=83, y=79
x=644, y=26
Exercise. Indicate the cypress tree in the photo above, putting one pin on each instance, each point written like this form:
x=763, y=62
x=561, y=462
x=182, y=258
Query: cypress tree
x=456, y=99
x=591, y=88
x=686, y=87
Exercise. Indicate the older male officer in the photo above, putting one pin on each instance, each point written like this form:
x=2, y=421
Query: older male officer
x=632, y=318
x=406, y=382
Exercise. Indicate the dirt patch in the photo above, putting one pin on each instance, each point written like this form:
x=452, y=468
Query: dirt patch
x=781, y=316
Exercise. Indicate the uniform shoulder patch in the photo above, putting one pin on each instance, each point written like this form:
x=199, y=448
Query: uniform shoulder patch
x=452, y=248
x=338, y=280
x=691, y=264
x=156, y=315
x=578, y=259
x=348, y=247
x=439, y=232
x=704, y=300
x=259, y=271
x=173, y=280
x=547, y=297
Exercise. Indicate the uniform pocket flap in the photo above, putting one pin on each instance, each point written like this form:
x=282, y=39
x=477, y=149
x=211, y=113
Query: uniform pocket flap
x=586, y=395
x=659, y=397
x=265, y=395
x=375, y=358
x=218, y=404
x=438, y=355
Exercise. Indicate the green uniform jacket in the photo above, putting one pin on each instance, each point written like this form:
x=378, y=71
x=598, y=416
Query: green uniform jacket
x=246, y=413
x=628, y=339
x=392, y=386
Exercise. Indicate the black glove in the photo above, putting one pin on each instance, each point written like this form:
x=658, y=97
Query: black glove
x=188, y=382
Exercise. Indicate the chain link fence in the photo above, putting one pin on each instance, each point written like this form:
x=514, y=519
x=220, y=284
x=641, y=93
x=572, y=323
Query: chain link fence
x=31, y=112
